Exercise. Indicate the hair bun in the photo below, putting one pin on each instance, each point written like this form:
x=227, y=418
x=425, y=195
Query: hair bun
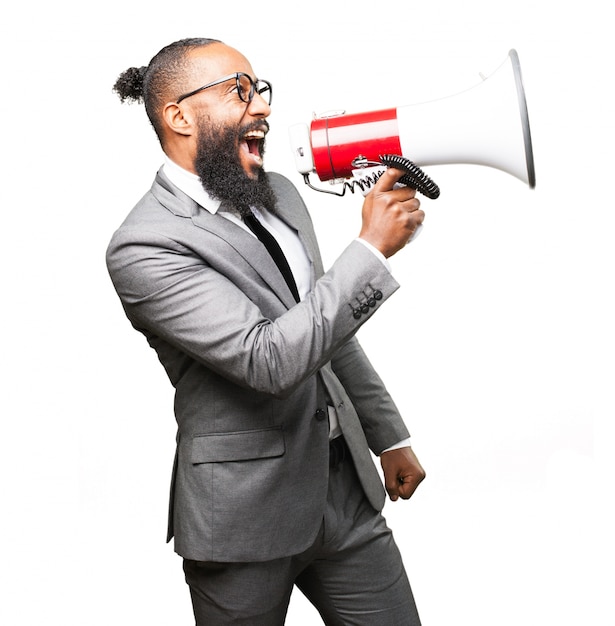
x=129, y=85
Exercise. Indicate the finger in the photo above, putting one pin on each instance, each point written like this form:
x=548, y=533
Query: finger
x=412, y=204
x=402, y=193
x=393, y=490
x=388, y=179
x=416, y=216
x=406, y=490
x=408, y=484
x=393, y=495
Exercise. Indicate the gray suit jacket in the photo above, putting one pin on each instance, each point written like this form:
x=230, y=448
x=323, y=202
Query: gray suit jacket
x=253, y=371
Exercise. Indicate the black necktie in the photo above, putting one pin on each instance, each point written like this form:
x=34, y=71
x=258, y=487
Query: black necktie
x=273, y=247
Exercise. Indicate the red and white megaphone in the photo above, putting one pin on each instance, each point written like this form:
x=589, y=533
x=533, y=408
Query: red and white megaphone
x=487, y=124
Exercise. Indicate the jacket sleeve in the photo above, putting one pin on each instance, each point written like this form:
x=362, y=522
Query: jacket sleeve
x=381, y=421
x=179, y=296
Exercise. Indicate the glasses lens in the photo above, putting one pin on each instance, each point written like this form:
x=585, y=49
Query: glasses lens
x=263, y=87
x=245, y=87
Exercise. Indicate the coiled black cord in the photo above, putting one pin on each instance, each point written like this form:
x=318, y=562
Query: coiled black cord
x=414, y=177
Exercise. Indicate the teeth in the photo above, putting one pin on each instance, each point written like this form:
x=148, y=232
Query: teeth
x=255, y=134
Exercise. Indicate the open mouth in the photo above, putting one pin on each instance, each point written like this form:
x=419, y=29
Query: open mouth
x=253, y=141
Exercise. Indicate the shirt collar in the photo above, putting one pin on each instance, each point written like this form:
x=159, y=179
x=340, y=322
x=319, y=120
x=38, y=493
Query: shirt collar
x=190, y=184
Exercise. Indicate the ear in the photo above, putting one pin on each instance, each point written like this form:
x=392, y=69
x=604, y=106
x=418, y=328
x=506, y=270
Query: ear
x=178, y=119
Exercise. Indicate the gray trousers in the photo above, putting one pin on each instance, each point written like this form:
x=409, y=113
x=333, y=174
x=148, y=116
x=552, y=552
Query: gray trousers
x=352, y=574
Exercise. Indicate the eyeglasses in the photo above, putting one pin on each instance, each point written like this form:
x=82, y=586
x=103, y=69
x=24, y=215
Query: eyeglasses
x=246, y=88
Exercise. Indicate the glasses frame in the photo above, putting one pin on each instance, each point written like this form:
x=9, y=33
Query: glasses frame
x=256, y=86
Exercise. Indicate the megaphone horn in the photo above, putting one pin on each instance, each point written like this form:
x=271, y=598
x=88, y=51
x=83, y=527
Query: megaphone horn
x=487, y=124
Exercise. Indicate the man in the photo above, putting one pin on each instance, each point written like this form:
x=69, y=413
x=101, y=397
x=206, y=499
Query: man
x=276, y=404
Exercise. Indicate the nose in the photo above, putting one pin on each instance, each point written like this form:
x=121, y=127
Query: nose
x=258, y=106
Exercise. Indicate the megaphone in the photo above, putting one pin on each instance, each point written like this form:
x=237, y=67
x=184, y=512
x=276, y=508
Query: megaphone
x=487, y=125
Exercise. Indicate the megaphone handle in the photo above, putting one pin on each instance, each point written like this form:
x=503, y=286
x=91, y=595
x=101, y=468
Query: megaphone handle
x=415, y=234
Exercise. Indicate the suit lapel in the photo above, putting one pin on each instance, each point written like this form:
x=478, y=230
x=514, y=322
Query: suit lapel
x=241, y=241
x=301, y=223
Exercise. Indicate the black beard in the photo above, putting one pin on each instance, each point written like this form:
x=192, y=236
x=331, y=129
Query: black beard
x=222, y=175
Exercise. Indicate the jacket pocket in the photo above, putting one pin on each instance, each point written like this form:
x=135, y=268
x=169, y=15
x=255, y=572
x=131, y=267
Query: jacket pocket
x=238, y=446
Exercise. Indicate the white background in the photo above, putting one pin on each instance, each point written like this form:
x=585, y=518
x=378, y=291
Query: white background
x=498, y=348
